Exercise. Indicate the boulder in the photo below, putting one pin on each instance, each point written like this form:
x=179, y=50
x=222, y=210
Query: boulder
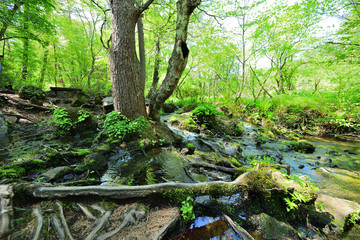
x=92, y=162
x=80, y=99
x=169, y=107
x=271, y=228
x=302, y=146
x=338, y=209
x=56, y=173
x=108, y=104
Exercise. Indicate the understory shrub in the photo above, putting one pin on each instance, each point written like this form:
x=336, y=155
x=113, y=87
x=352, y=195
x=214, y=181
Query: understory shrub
x=119, y=126
x=28, y=92
x=73, y=120
x=205, y=115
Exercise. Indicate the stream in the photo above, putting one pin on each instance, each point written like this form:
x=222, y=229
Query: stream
x=340, y=159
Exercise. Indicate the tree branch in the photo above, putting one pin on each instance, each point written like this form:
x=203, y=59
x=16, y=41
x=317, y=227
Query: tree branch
x=345, y=44
x=145, y=6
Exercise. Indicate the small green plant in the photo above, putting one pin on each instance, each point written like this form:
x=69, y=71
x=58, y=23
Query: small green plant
x=83, y=115
x=264, y=160
x=66, y=121
x=187, y=209
x=62, y=119
x=118, y=126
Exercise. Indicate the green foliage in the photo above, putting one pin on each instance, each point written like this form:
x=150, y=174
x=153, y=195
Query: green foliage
x=62, y=119
x=205, y=114
x=118, y=126
x=28, y=92
x=83, y=115
x=351, y=220
x=187, y=209
x=264, y=160
x=71, y=120
x=11, y=172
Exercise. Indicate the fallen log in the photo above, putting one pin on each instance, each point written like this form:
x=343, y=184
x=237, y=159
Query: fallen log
x=20, y=116
x=25, y=103
x=128, y=192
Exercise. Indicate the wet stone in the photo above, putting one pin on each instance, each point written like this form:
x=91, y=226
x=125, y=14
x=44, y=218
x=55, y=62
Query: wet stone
x=271, y=228
x=56, y=173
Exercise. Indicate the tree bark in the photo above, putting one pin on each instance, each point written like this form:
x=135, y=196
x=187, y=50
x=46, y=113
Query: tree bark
x=127, y=88
x=178, y=59
x=141, y=41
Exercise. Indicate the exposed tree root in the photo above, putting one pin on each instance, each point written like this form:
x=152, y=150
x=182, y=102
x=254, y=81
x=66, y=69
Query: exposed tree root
x=63, y=221
x=20, y=116
x=212, y=148
x=23, y=103
x=39, y=223
x=86, y=212
x=55, y=222
x=129, y=219
x=214, y=167
x=6, y=210
x=102, y=221
x=166, y=229
x=98, y=208
x=238, y=229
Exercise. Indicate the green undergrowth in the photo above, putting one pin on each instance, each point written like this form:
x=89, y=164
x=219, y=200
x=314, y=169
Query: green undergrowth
x=321, y=113
x=118, y=126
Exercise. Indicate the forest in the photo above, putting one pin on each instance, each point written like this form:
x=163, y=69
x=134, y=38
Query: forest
x=179, y=119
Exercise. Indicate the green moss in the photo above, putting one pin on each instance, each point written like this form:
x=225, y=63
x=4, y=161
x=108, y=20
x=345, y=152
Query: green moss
x=189, y=125
x=301, y=146
x=11, y=172
x=179, y=195
x=81, y=152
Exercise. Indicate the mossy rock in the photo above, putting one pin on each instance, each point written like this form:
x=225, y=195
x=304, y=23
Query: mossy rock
x=189, y=124
x=28, y=92
x=226, y=126
x=271, y=228
x=80, y=99
x=169, y=107
x=301, y=146
x=71, y=121
x=93, y=162
x=191, y=148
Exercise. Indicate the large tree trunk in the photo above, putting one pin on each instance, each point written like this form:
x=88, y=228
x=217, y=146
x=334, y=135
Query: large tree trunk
x=127, y=87
x=178, y=60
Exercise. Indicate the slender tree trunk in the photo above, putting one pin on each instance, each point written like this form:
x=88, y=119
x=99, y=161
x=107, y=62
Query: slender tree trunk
x=45, y=61
x=55, y=66
x=178, y=59
x=24, y=72
x=153, y=88
x=127, y=87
